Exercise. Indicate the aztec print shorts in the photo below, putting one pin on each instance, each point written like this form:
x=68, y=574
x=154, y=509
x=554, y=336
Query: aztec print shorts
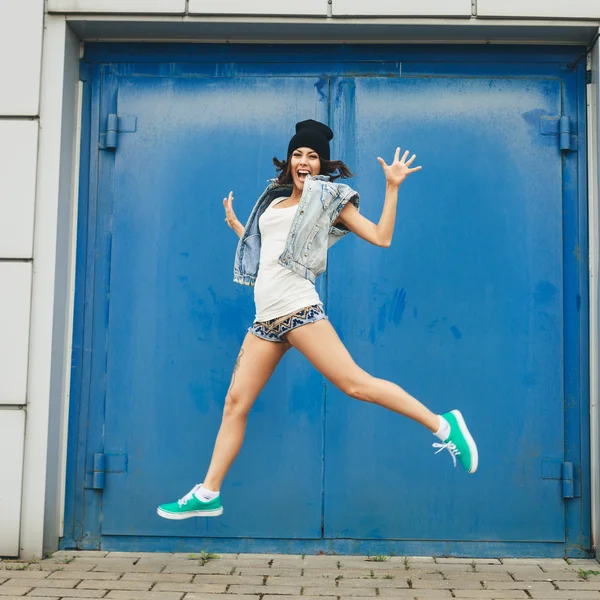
x=275, y=330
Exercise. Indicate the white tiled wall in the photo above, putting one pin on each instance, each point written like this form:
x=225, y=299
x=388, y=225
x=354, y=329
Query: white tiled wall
x=12, y=432
x=21, y=23
x=425, y=8
x=259, y=7
x=15, y=305
x=539, y=8
x=18, y=152
x=118, y=6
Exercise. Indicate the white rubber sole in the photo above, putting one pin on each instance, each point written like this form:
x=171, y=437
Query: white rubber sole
x=470, y=441
x=190, y=514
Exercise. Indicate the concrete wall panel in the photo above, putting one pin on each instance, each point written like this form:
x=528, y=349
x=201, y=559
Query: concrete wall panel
x=21, y=28
x=426, y=8
x=574, y=9
x=259, y=7
x=12, y=432
x=117, y=6
x=15, y=306
x=18, y=160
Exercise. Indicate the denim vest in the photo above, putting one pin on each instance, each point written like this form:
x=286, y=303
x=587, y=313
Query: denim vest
x=311, y=234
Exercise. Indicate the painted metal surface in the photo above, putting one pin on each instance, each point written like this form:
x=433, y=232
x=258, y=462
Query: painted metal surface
x=15, y=309
x=582, y=9
x=12, y=433
x=21, y=29
x=428, y=8
x=117, y=6
x=259, y=7
x=18, y=162
x=476, y=304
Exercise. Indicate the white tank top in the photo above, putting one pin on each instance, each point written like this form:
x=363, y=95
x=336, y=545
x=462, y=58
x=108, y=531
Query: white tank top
x=277, y=290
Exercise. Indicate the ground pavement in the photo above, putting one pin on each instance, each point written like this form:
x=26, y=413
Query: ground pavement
x=151, y=576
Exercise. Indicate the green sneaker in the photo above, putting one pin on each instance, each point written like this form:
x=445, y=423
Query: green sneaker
x=191, y=506
x=460, y=442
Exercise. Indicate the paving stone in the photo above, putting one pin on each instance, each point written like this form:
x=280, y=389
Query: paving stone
x=262, y=589
x=498, y=576
x=467, y=561
x=84, y=575
x=333, y=573
x=11, y=574
x=545, y=576
x=566, y=595
x=455, y=584
x=46, y=583
x=194, y=596
x=123, y=595
x=147, y=568
x=190, y=587
x=156, y=555
x=238, y=579
x=80, y=553
x=363, y=592
x=398, y=582
x=532, y=561
x=403, y=594
x=158, y=577
x=250, y=571
x=288, y=581
x=520, y=585
x=269, y=597
x=90, y=584
x=196, y=569
x=13, y=591
x=578, y=585
x=581, y=562
x=484, y=594
x=68, y=592
x=60, y=566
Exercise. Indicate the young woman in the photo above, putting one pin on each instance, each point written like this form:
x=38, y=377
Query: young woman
x=281, y=251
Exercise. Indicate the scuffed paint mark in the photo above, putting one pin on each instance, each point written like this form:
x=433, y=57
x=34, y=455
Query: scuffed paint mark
x=323, y=82
x=415, y=312
x=185, y=254
x=434, y=324
x=456, y=332
x=545, y=294
x=533, y=117
x=577, y=252
x=399, y=306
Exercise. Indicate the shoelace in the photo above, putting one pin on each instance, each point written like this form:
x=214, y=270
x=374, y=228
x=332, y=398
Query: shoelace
x=183, y=501
x=451, y=447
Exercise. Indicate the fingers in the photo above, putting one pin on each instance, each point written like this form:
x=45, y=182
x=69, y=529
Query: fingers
x=410, y=162
x=405, y=155
x=397, y=154
x=382, y=162
x=414, y=169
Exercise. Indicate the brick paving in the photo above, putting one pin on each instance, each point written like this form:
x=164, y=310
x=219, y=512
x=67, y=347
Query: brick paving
x=163, y=576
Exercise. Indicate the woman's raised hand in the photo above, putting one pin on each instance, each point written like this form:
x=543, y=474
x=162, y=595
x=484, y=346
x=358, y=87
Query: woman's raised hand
x=230, y=217
x=400, y=169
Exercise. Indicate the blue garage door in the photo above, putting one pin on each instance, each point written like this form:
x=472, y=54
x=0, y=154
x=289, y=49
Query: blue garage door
x=476, y=305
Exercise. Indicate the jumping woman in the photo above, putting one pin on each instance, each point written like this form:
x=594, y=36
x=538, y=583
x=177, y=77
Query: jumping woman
x=281, y=251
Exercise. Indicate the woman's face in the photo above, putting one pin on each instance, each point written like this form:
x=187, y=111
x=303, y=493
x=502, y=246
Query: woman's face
x=303, y=162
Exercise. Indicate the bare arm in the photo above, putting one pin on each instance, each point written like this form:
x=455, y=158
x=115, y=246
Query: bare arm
x=230, y=217
x=380, y=234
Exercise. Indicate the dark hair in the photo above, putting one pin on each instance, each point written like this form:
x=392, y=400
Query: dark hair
x=328, y=167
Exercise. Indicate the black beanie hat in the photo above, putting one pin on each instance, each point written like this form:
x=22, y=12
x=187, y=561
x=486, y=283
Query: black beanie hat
x=311, y=134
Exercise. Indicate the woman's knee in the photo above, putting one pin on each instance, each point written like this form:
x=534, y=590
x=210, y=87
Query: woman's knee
x=236, y=405
x=358, y=385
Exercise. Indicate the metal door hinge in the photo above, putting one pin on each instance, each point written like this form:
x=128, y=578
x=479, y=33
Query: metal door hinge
x=111, y=462
x=563, y=471
x=116, y=124
x=562, y=127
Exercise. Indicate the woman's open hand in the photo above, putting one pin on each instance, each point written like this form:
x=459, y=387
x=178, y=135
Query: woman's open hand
x=230, y=217
x=399, y=170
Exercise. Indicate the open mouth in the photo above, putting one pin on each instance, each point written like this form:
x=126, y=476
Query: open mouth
x=302, y=173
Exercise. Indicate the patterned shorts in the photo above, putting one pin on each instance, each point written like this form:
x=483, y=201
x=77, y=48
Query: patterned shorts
x=275, y=330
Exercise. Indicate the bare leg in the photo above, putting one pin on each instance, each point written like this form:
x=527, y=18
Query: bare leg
x=323, y=348
x=254, y=366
